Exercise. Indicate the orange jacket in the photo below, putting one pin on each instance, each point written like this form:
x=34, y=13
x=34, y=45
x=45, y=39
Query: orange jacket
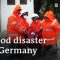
x=50, y=28
x=36, y=26
x=16, y=24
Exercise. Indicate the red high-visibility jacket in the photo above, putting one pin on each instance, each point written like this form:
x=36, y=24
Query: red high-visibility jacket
x=16, y=24
x=50, y=28
x=36, y=27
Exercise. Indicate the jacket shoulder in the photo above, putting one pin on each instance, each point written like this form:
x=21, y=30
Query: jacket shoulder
x=11, y=18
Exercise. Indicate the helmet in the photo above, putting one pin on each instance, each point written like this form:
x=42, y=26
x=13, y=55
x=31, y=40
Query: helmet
x=23, y=12
x=34, y=16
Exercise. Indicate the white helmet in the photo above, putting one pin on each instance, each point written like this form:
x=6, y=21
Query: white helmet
x=24, y=12
x=35, y=16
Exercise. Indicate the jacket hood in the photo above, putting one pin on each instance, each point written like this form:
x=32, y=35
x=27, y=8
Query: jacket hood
x=50, y=15
x=17, y=7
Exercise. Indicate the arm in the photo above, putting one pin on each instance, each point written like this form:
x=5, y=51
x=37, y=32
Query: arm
x=14, y=26
x=55, y=25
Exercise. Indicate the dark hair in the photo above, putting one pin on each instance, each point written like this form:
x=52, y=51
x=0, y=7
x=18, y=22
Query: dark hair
x=25, y=13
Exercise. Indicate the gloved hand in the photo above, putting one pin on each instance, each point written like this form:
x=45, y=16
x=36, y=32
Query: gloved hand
x=33, y=33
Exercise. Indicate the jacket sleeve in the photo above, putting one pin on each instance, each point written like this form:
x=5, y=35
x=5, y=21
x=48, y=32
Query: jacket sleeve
x=55, y=25
x=12, y=22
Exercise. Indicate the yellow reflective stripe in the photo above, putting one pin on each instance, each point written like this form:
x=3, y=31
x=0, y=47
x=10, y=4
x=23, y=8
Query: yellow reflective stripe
x=12, y=34
x=13, y=22
x=53, y=22
x=50, y=38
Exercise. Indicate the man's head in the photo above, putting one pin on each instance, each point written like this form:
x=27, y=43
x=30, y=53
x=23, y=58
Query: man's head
x=49, y=15
x=35, y=17
x=46, y=18
x=24, y=14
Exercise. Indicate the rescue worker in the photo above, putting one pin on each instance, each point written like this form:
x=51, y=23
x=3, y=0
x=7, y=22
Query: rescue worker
x=24, y=15
x=16, y=24
x=14, y=21
x=49, y=28
x=36, y=26
x=13, y=26
x=16, y=27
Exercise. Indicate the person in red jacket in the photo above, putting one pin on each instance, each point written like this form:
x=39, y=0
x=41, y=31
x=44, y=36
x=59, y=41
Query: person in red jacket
x=25, y=23
x=16, y=27
x=35, y=29
x=49, y=28
x=16, y=24
x=36, y=25
x=13, y=25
